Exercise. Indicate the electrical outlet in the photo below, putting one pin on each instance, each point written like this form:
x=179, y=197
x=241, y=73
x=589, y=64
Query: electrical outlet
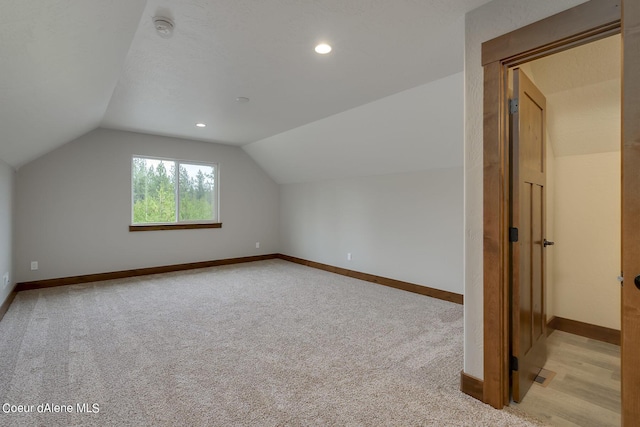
x=349, y=256
x=5, y=279
x=34, y=265
x=257, y=245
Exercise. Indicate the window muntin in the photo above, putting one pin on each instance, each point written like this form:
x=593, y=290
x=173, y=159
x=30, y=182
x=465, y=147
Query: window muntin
x=167, y=191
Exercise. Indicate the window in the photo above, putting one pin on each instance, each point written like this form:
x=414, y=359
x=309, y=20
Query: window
x=169, y=194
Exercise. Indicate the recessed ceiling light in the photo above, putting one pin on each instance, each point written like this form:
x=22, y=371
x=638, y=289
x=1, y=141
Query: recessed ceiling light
x=323, y=48
x=201, y=125
x=242, y=99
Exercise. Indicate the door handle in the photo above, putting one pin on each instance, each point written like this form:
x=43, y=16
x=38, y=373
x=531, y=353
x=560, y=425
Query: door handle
x=637, y=281
x=546, y=243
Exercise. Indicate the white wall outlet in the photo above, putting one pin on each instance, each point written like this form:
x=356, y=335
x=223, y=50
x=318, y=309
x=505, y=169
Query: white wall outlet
x=257, y=245
x=5, y=279
x=349, y=256
x=34, y=265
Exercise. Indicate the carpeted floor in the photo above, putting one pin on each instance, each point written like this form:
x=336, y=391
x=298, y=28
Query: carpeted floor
x=268, y=343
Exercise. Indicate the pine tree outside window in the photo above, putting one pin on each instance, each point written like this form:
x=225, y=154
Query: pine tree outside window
x=167, y=191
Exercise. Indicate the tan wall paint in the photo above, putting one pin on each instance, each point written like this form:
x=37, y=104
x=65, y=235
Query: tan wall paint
x=551, y=227
x=582, y=267
x=587, y=234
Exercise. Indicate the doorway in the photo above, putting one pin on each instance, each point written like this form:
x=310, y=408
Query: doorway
x=580, y=89
x=582, y=24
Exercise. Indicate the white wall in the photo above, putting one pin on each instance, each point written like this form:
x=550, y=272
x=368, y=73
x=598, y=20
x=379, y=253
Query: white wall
x=403, y=226
x=587, y=251
x=489, y=21
x=73, y=208
x=6, y=228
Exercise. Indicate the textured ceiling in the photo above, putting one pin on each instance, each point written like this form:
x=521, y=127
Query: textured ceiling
x=263, y=50
x=59, y=61
x=582, y=86
x=62, y=59
x=69, y=66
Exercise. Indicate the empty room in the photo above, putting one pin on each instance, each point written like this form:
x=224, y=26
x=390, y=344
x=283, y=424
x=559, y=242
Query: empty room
x=285, y=212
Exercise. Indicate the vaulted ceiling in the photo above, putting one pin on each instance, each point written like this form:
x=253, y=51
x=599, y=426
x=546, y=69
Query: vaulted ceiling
x=69, y=66
x=60, y=61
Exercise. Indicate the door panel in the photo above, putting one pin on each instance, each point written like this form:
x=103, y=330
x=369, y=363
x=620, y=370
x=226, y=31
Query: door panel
x=528, y=329
x=531, y=120
x=525, y=326
x=537, y=288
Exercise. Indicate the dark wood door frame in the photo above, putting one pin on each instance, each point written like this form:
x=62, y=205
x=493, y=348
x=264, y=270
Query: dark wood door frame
x=585, y=23
x=630, y=339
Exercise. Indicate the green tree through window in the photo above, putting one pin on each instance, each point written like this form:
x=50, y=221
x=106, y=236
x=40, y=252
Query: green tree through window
x=170, y=191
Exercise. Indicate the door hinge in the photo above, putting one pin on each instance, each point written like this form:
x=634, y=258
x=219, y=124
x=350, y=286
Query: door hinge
x=513, y=234
x=514, y=363
x=514, y=105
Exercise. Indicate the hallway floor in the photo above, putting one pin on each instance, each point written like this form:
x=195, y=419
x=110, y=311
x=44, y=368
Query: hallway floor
x=586, y=388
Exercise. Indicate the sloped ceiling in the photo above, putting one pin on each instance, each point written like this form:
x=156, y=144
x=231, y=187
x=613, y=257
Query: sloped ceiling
x=417, y=129
x=59, y=63
x=70, y=66
x=582, y=87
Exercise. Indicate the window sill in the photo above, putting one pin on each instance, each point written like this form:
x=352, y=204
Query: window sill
x=157, y=227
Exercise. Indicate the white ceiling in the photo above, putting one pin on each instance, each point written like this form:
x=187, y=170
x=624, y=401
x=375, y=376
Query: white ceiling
x=418, y=129
x=59, y=63
x=582, y=87
x=69, y=66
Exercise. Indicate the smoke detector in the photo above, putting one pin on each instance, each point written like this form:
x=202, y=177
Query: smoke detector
x=164, y=26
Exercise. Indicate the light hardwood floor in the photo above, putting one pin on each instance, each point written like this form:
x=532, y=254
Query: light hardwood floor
x=586, y=388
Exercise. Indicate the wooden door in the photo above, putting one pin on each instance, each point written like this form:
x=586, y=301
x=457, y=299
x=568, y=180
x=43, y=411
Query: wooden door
x=630, y=350
x=586, y=22
x=528, y=180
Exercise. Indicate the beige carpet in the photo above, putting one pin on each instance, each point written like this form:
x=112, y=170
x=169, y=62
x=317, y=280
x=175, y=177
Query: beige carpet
x=265, y=344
